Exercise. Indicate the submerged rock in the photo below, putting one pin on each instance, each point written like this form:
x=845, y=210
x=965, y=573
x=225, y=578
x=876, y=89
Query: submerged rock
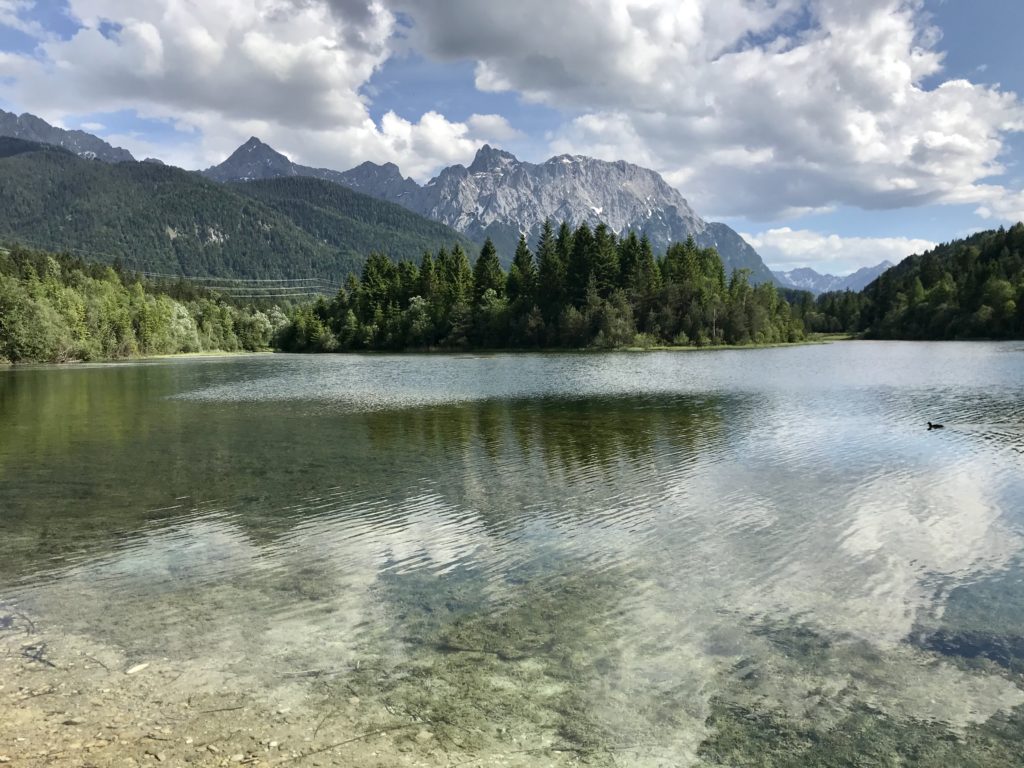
x=1005, y=650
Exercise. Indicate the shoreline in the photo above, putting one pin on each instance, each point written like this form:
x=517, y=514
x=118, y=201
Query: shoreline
x=817, y=339
x=136, y=359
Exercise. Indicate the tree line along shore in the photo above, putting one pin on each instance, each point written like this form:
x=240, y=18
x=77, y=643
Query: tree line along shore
x=580, y=288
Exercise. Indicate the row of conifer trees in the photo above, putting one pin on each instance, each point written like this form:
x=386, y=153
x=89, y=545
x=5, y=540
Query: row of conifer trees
x=581, y=288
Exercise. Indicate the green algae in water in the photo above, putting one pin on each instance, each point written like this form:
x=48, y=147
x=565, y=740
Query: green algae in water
x=865, y=737
x=717, y=560
x=483, y=678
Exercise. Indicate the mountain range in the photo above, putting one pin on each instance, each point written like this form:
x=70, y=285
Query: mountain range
x=496, y=196
x=500, y=196
x=158, y=218
x=807, y=279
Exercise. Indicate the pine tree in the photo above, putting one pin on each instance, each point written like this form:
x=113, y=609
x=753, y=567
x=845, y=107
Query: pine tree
x=582, y=260
x=550, y=274
x=606, y=260
x=427, y=278
x=454, y=278
x=408, y=277
x=522, y=276
x=629, y=261
x=487, y=275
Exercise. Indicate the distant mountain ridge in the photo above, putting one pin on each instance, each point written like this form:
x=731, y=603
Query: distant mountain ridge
x=499, y=196
x=31, y=128
x=160, y=218
x=807, y=279
x=496, y=196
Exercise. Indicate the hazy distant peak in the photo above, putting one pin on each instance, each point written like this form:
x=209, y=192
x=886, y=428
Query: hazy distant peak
x=31, y=128
x=807, y=279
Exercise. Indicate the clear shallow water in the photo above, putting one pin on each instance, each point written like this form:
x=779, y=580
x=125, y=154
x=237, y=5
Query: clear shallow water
x=725, y=558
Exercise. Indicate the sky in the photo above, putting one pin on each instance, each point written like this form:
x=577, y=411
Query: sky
x=830, y=133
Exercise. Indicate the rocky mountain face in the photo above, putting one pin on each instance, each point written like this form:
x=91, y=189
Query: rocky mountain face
x=497, y=189
x=255, y=161
x=31, y=128
x=806, y=279
x=383, y=181
x=499, y=196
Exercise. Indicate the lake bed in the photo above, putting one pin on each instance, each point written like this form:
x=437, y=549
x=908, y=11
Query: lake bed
x=751, y=557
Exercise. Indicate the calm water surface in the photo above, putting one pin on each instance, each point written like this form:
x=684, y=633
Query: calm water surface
x=723, y=558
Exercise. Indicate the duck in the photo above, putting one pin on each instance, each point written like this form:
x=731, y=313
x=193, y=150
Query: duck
x=935, y=426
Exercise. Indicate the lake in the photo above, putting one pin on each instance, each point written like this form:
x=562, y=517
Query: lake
x=723, y=558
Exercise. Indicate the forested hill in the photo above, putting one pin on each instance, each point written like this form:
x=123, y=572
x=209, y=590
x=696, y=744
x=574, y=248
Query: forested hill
x=351, y=221
x=967, y=289
x=163, y=219
x=55, y=308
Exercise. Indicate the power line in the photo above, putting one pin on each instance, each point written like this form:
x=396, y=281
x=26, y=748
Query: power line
x=317, y=286
x=316, y=280
x=276, y=296
x=228, y=289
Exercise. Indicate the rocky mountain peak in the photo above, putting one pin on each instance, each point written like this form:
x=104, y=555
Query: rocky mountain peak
x=254, y=148
x=377, y=170
x=257, y=160
x=31, y=128
x=489, y=159
x=253, y=160
x=383, y=181
x=566, y=160
x=499, y=196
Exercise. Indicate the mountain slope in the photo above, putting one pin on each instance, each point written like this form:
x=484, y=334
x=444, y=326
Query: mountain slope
x=969, y=288
x=736, y=252
x=155, y=217
x=807, y=279
x=31, y=128
x=352, y=222
x=499, y=196
x=864, y=276
x=163, y=219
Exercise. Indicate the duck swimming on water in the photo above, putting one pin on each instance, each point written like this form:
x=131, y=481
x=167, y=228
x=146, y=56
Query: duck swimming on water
x=935, y=426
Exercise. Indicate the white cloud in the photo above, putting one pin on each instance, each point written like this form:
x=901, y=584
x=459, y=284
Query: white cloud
x=759, y=108
x=495, y=126
x=93, y=127
x=785, y=248
x=288, y=71
x=996, y=202
x=750, y=108
x=12, y=15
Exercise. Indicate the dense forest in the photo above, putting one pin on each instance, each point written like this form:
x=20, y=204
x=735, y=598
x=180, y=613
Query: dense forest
x=350, y=221
x=967, y=289
x=582, y=288
x=162, y=219
x=56, y=308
